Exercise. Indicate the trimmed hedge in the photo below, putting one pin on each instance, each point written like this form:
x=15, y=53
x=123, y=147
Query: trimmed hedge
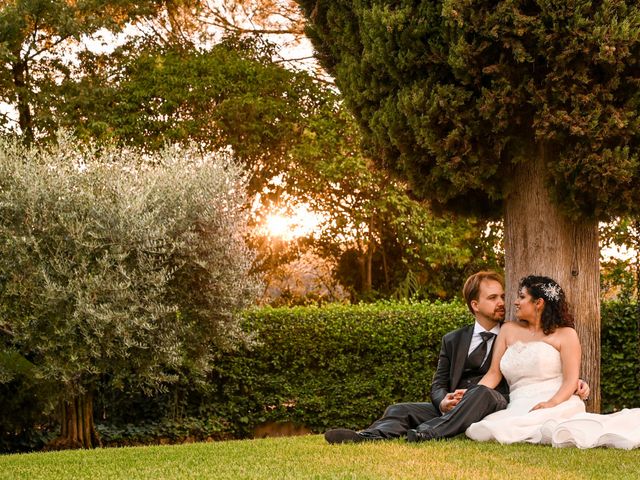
x=342, y=365
x=337, y=365
x=330, y=366
x=620, y=366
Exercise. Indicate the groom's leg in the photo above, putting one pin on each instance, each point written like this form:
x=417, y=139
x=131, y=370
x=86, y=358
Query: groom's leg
x=477, y=403
x=400, y=417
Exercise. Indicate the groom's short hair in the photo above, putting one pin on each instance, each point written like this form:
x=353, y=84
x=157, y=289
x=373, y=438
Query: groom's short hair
x=471, y=289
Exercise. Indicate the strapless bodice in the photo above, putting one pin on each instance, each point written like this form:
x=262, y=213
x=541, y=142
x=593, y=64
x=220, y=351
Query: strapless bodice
x=532, y=369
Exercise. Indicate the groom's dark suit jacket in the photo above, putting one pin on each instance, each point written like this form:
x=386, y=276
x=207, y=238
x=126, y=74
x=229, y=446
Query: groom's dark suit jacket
x=453, y=355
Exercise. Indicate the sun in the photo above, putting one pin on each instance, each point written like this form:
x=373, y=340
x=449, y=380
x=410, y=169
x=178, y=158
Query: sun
x=277, y=225
x=287, y=226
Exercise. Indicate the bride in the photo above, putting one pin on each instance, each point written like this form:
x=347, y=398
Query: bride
x=539, y=355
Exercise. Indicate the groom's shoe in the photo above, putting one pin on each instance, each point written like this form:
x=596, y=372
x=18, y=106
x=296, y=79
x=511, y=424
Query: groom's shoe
x=344, y=435
x=415, y=436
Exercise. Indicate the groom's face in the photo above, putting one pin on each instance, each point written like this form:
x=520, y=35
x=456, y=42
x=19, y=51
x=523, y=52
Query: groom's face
x=490, y=303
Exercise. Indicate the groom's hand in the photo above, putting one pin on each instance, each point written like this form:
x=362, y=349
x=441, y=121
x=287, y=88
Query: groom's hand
x=451, y=400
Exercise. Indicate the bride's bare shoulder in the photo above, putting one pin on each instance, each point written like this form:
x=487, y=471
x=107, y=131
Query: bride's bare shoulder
x=512, y=326
x=511, y=331
x=566, y=332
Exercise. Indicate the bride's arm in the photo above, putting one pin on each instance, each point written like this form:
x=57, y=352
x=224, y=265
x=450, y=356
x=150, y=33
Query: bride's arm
x=492, y=378
x=570, y=353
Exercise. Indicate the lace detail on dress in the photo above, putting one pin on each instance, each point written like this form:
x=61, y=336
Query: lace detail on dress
x=532, y=362
x=533, y=370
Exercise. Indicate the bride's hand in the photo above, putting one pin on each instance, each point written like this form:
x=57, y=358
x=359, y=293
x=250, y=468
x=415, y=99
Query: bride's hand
x=583, y=390
x=543, y=405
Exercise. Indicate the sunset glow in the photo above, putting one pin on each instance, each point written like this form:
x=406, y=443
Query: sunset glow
x=299, y=223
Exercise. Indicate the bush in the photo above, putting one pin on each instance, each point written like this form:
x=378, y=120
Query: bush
x=121, y=268
x=620, y=368
x=24, y=425
x=332, y=366
x=163, y=431
x=342, y=365
x=336, y=365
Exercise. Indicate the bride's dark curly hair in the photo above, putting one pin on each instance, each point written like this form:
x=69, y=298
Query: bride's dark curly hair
x=556, y=310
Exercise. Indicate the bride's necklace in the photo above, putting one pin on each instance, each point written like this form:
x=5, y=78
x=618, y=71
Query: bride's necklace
x=532, y=330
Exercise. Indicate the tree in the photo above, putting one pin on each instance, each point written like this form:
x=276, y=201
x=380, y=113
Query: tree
x=622, y=271
x=119, y=268
x=255, y=17
x=203, y=23
x=36, y=38
x=160, y=88
x=231, y=95
x=385, y=242
x=382, y=241
x=526, y=109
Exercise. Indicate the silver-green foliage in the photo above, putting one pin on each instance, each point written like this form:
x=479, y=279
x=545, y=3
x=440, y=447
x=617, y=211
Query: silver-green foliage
x=121, y=265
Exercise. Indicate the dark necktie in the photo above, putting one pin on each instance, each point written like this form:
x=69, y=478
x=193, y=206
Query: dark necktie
x=476, y=358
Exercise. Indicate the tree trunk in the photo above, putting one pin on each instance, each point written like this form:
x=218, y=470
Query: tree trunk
x=365, y=260
x=77, y=429
x=540, y=240
x=25, y=120
x=369, y=269
x=385, y=269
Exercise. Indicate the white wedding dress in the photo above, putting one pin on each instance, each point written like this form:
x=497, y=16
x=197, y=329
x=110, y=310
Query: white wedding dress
x=534, y=373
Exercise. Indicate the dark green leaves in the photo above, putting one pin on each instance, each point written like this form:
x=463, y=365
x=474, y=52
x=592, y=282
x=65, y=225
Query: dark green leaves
x=455, y=93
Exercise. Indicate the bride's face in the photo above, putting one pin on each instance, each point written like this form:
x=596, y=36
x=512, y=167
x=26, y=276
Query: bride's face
x=525, y=306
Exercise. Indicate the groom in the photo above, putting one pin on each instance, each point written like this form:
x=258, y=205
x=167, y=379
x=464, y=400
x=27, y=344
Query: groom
x=456, y=399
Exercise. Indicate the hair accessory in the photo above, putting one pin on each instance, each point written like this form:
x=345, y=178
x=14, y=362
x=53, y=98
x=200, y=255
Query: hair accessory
x=551, y=291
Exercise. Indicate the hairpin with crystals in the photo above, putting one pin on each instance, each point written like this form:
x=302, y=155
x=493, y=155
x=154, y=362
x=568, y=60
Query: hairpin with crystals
x=551, y=291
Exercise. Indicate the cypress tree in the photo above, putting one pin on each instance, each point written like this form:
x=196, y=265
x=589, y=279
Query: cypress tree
x=521, y=109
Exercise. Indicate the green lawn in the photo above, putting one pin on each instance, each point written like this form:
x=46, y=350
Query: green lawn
x=311, y=457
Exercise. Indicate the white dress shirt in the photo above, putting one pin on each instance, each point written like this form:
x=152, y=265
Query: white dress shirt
x=476, y=339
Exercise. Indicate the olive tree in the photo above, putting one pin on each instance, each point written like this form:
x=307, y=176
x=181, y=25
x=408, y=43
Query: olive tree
x=119, y=267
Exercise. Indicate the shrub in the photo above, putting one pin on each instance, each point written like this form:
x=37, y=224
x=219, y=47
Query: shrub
x=23, y=400
x=342, y=365
x=620, y=368
x=335, y=365
x=118, y=267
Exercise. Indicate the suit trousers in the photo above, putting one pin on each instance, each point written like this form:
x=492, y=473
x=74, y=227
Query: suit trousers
x=478, y=402
x=399, y=418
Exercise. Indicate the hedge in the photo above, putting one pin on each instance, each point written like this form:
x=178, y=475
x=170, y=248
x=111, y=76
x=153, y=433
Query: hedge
x=333, y=366
x=330, y=366
x=342, y=365
x=620, y=366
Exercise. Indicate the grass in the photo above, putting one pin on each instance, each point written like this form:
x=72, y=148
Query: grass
x=310, y=457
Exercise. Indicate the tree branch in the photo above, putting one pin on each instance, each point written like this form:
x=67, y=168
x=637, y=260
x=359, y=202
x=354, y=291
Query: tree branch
x=6, y=331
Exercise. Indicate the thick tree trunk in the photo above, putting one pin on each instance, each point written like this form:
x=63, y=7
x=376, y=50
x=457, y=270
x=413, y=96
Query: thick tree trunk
x=77, y=429
x=540, y=240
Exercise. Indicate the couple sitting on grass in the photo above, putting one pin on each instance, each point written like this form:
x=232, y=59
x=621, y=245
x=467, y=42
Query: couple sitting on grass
x=539, y=357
